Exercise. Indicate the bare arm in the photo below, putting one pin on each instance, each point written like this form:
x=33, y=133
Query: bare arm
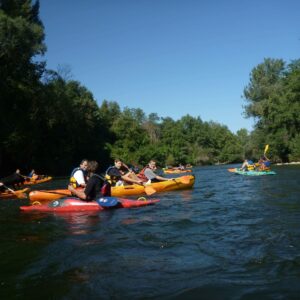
x=127, y=178
x=79, y=193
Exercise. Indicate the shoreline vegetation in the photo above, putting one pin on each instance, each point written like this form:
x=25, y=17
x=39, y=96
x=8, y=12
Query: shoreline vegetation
x=49, y=123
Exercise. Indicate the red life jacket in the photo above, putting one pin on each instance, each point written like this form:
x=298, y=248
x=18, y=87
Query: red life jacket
x=142, y=176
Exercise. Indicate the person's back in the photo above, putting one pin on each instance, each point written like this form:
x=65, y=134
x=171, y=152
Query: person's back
x=95, y=183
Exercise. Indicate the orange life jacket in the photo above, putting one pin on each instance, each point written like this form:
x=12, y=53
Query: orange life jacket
x=142, y=176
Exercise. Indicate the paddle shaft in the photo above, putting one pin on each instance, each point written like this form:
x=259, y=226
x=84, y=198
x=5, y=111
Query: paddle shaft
x=9, y=189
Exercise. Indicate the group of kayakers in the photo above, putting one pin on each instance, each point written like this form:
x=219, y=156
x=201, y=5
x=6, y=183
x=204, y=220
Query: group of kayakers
x=16, y=179
x=262, y=165
x=180, y=167
x=87, y=184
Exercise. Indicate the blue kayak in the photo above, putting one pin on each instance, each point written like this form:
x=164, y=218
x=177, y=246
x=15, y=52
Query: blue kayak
x=251, y=173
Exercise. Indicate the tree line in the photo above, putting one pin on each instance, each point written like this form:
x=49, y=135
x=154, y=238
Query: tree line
x=50, y=123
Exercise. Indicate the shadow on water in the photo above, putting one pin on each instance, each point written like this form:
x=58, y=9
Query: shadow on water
x=231, y=237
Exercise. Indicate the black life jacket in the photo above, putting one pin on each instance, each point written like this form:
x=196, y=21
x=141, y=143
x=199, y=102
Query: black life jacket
x=112, y=179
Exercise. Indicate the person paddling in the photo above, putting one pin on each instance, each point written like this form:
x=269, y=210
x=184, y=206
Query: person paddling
x=118, y=175
x=148, y=173
x=12, y=180
x=264, y=163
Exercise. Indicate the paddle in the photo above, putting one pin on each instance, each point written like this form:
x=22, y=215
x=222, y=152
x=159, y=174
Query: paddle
x=66, y=193
x=107, y=201
x=18, y=195
x=149, y=190
x=266, y=149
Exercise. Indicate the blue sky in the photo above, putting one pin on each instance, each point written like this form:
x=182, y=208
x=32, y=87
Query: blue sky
x=168, y=56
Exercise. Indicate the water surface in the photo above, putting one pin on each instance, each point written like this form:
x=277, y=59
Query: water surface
x=231, y=237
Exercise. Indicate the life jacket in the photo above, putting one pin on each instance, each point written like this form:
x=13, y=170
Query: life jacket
x=251, y=165
x=111, y=179
x=141, y=175
x=73, y=181
x=265, y=166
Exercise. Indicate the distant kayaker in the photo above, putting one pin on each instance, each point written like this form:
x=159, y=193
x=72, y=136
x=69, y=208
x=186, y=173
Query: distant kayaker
x=92, y=191
x=148, y=173
x=32, y=175
x=79, y=176
x=12, y=180
x=264, y=163
x=247, y=165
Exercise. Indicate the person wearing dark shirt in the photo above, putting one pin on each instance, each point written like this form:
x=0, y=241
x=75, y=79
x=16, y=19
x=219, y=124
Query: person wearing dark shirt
x=92, y=190
x=119, y=174
x=12, y=180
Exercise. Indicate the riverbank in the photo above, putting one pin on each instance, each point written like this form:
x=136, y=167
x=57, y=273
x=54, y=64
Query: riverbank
x=290, y=163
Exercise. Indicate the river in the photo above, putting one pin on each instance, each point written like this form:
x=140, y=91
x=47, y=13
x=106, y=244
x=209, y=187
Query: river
x=230, y=237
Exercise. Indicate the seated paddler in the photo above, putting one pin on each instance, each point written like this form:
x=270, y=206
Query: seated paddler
x=92, y=190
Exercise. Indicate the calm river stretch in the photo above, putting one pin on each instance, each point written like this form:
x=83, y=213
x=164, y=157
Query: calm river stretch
x=230, y=237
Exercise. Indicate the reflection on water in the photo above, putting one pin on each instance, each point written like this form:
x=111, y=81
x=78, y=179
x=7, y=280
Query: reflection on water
x=231, y=237
x=78, y=223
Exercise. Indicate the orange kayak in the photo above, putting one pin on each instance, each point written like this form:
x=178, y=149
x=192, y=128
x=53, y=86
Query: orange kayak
x=180, y=183
x=17, y=194
x=176, y=171
x=37, y=181
x=45, y=196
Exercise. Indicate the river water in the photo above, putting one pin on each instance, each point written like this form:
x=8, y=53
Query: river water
x=230, y=237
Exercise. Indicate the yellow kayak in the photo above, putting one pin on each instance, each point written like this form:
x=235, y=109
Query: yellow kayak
x=180, y=183
x=16, y=194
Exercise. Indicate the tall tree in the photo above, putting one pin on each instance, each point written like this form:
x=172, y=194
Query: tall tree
x=21, y=41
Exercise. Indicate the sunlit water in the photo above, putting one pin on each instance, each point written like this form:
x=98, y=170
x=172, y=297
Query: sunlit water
x=231, y=237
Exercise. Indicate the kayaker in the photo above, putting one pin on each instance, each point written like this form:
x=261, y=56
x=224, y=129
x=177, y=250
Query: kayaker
x=247, y=165
x=78, y=176
x=148, y=173
x=264, y=163
x=118, y=175
x=92, y=191
x=12, y=180
x=33, y=176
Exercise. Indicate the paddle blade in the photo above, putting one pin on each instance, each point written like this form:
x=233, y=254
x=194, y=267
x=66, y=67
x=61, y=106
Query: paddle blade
x=107, y=201
x=266, y=149
x=149, y=190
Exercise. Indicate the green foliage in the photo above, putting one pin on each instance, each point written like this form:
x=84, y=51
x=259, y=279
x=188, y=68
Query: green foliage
x=273, y=97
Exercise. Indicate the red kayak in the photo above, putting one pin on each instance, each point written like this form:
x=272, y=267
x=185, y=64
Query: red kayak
x=74, y=204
